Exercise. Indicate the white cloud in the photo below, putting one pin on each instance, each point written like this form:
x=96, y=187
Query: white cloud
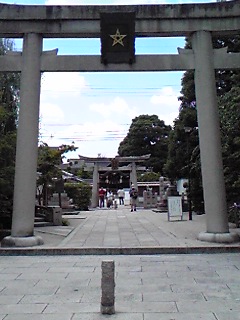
x=51, y=113
x=166, y=104
x=115, y=108
x=63, y=83
x=165, y=97
x=90, y=131
x=91, y=138
x=169, y=118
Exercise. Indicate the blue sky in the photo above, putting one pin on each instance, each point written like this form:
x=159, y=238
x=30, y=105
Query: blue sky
x=95, y=110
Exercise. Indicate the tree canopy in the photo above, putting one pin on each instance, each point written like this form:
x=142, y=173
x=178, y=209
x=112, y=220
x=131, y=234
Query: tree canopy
x=227, y=86
x=49, y=160
x=182, y=141
x=147, y=135
x=229, y=107
x=9, y=102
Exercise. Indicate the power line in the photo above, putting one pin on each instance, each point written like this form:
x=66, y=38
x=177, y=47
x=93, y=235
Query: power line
x=98, y=91
x=84, y=139
x=76, y=124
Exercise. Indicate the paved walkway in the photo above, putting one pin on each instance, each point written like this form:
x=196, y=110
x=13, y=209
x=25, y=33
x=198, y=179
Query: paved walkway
x=61, y=280
x=157, y=287
x=122, y=231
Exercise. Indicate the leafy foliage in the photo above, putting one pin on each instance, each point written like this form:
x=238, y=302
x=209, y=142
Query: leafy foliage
x=147, y=135
x=184, y=155
x=230, y=129
x=9, y=100
x=225, y=78
x=181, y=144
x=227, y=85
x=48, y=162
x=80, y=193
x=148, y=176
x=79, y=172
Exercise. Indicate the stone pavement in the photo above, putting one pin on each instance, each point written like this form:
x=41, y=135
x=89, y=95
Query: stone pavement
x=148, y=287
x=61, y=280
x=121, y=231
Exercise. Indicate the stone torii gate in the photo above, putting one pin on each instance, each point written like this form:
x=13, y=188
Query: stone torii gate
x=198, y=21
x=131, y=168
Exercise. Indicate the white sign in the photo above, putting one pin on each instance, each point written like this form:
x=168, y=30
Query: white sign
x=175, y=207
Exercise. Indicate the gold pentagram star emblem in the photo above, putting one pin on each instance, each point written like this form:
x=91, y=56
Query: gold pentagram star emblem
x=118, y=38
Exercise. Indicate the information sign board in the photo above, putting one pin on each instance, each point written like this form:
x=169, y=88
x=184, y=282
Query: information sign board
x=175, y=207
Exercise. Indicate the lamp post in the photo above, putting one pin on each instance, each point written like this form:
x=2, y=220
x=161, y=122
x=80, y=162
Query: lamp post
x=188, y=131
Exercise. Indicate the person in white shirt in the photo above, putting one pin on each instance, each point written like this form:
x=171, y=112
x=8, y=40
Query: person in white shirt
x=121, y=195
x=110, y=198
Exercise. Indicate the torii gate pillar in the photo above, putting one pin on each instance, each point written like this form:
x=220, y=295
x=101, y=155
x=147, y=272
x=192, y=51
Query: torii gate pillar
x=133, y=174
x=22, y=234
x=210, y=142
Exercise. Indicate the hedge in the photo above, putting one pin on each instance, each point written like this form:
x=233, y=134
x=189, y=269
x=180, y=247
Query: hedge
x=80, y=193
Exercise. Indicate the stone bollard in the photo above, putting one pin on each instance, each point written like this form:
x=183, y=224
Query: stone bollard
x=108, y=287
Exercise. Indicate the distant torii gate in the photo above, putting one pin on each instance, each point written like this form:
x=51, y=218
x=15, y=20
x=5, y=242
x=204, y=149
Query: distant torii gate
x=198, y=21
x=99, y=164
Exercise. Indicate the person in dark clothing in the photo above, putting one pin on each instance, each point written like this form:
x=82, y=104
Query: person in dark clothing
x=133, y=201
x=101, y=194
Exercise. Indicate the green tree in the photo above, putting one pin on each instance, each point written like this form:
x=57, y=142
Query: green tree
x=9, y=101
x=80, y=193
x=49, y=160
x=80, y=173
x=229, y=106
x=147, y=135
x=182, y=141
x=148, y=176
x=227, y=85
x=224, y=79
x=184, y=155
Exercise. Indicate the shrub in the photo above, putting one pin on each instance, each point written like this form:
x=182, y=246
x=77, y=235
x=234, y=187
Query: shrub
x=80, y=193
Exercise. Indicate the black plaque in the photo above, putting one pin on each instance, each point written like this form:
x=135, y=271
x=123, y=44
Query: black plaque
x=117, y=37
x=59, y=186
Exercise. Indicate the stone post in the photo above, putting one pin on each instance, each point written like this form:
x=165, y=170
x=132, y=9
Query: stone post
x=161, y=189
x=154, y=199
x=108, y=288
x=147, y=199
x=22, y=233
x=95, y=199
x=210, y=142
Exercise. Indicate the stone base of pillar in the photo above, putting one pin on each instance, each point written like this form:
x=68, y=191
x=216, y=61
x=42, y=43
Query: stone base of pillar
x=219, y=237
x=107, y=309
x=10, y=241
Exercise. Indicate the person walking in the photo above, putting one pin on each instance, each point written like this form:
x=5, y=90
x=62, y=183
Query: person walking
x=110, y=198
x=121, y=195
x=133, y=198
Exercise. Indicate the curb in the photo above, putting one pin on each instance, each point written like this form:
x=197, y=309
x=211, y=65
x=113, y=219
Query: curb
x=117, y=251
